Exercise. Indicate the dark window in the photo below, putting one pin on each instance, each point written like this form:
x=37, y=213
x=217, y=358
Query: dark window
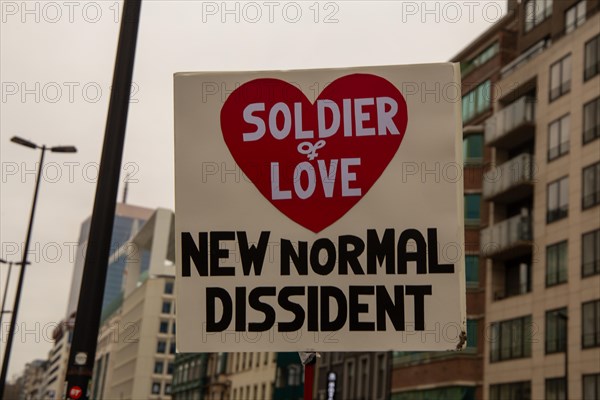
x=164, y=327
x=591, y=120
x=476, y=101
x=170, y=368
x=591, y=386
x=161, y=346
x=173, y=328
x=473, y=149
x=590, y=320
x=556, y=389
x=472, y=270
x=471, y=334
x=155, y=388
x=172, y=348
x=511, y=391
x=166, y=307
x=575, y=16
x=558, y=137
x=556, y=263
x=558, y=200
x=517, y=279
x=472, y=208
x=536, y=11
x=158, y=367
x=591, y=186
x=560, y=78
x=592, y=58
x=556, y=330
x=511, y=339
x=590, y=250
x=167, y=388
x=168, y=287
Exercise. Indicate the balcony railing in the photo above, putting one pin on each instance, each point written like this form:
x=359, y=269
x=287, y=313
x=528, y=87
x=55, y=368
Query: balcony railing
x=525, y=57
x=517, y=114
x=508, y=176
x=506, y=235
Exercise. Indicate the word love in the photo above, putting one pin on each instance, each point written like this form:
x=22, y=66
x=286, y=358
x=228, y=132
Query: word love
x=333, y=150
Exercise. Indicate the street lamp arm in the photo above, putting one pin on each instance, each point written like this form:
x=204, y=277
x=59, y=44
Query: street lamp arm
x=24, y=142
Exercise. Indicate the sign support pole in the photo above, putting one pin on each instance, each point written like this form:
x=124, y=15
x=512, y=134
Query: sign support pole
x=308, y=360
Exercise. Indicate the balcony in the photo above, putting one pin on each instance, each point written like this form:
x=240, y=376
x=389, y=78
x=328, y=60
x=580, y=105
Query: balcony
x=509, y=238
x=511, y=181
x=513, y=125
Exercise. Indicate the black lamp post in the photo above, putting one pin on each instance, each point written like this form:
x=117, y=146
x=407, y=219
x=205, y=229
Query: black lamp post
x=3, y=310
x=13, y=319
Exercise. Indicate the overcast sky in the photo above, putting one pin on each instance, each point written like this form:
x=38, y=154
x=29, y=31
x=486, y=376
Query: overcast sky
x=56, y=69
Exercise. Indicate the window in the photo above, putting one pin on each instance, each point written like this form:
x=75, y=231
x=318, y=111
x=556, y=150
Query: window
x=591, y=120
x=170, y=368
x=536, y=11
x=592, y=58
x=349, y=379
x=166, y=307
x=511, y=391
x=575, y=16
x=556, y=330
x=590, y=253
x=517, y=279
x=472, y=208
x=164, y=327
x=294, y=375
x=591, y=186
x=155, y=388
x=590, y=320
x=473, y=149
x=558, y=200
x=591, y=386
x=174, y=328
x=556, y=389
x=472, y=270
x=476, y=101
x=441, y=393
x=167, y=388
x=558, y=137
x=172, y=348
x=161, y=346
x=511, y=339
x=556, y=264
x=381, y=372
x=472, y=334
x=560, y=78
x=480, y=59
x=168, y=287
x=158, y=367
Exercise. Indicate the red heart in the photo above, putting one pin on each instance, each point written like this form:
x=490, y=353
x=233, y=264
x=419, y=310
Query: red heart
x=257, y=154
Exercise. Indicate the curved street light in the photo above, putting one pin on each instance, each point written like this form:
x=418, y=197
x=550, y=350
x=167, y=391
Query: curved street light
x=13, y=319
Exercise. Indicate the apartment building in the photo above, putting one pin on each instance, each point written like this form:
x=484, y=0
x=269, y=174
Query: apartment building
x=33, y=379
x=353, y=375
x=252, y=375
x=135, y=356
x=543, y=237
x=53, y=385
x=442, y=375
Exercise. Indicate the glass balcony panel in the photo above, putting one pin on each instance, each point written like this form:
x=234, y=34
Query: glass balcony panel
x=506, y=235
x=508, y=176
x=507, y=120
